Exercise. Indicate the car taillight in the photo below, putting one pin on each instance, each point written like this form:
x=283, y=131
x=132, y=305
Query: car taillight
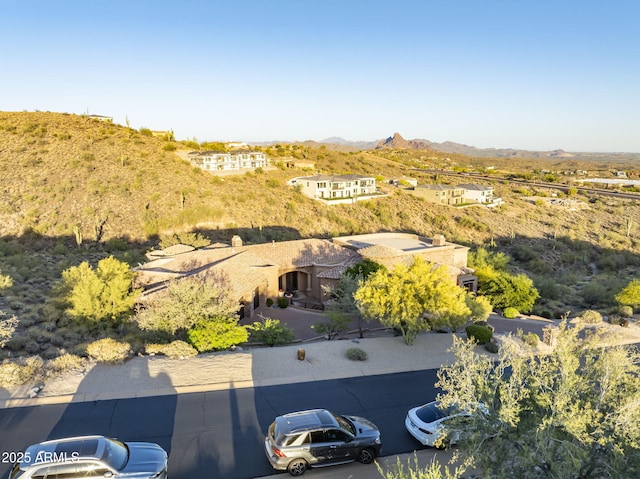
x=278, y=452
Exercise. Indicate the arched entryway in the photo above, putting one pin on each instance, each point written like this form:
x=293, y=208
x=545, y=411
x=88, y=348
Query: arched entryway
x=294, y=281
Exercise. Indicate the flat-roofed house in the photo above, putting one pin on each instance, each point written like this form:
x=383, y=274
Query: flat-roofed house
x=477, y=193
x=440, y=194
x=390, y=249
x=328, y=187
x=213, y=160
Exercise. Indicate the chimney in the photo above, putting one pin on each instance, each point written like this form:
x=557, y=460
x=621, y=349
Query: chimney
x=438, y=240
x=236, y=241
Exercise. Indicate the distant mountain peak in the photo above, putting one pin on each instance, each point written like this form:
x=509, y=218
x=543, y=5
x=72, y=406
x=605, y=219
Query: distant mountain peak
x=397, y=142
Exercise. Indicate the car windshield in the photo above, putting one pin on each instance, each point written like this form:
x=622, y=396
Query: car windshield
x=431, y=412
x=346, y=424
x=116, y=454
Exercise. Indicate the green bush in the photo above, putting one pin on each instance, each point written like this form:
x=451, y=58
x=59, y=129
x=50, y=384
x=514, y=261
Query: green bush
x=271, y=331
x=511, y=313
x=481, y=334
x=15, y=373
x=356, y=354
x=283, y=302
x=269, y=302
x=175, y=350
x=216, y=335
x=109, y=351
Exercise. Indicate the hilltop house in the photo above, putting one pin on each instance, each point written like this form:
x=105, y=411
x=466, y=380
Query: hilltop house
x=440, y=194
x=334, y=187
x=482, y=194
x=300, y=268
x=228, y=160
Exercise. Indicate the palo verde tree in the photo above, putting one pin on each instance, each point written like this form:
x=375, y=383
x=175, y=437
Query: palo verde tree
x=100, y=294
x=630, y=294
x=572, y=413
x=402, y=297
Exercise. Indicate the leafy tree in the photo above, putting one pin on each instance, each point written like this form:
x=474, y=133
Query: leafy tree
x=483, y=258
x=363, y=269
x=505, y=290
x=402, y=297
x=480, y=307
x=630, y=294
x=572, y=413
x=343, y=303
x=337, y=323
x=187, y=303
x=102, y=294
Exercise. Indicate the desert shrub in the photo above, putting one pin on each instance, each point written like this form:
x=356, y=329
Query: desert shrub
x=109, y=350
x=591, y=317
x=175, y=350
x=511, y=313
x=481, y=334
x=614, y=319
x=356, y=354
x=215, y=335
x=491, y=347
x=531, y=339
x=283, y=302
x=271, y=331
x=595, y=293
x=67, y=362
x=14, y=373
x=625, y=311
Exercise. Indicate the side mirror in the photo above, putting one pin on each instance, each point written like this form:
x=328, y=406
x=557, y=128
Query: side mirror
x=108, y=474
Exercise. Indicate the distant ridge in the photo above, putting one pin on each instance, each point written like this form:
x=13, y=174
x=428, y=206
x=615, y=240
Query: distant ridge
x=397, y=142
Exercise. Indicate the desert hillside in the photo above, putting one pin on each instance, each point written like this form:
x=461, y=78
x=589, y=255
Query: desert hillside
x=68, y=177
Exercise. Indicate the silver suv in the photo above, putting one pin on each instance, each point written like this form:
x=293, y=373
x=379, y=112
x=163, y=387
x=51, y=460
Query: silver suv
x=91, y=457
x=318, y=437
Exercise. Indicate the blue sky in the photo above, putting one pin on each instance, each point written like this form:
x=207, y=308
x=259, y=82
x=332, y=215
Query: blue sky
x=489, y=73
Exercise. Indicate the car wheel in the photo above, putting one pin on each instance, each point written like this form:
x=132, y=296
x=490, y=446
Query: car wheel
x=297, y=467
x=366, y=456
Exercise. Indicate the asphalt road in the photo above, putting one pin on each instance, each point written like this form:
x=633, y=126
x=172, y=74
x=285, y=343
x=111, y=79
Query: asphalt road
x=220, y=434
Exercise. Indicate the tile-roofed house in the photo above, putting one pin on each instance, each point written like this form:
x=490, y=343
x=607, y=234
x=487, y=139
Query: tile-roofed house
x=256, y=272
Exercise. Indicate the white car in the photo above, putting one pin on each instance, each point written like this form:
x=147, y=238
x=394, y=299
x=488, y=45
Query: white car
x=428, y=424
